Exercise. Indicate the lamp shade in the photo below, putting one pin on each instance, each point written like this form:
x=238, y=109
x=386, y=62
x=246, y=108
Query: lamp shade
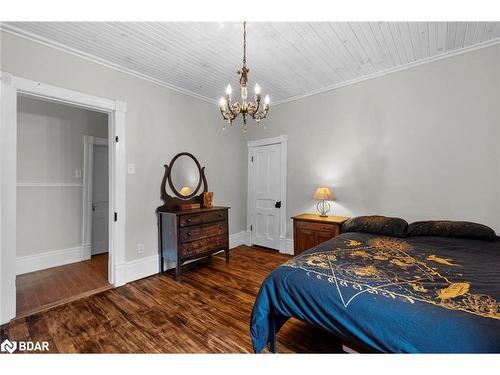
x=324, y=193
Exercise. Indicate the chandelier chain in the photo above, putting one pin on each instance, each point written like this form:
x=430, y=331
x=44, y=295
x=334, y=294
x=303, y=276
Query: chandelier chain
x=244, y=44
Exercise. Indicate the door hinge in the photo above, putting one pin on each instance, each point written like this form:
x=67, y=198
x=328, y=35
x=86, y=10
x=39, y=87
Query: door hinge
x=116, y=216
x=251, y=228
x=252, y=159
x=116, y=139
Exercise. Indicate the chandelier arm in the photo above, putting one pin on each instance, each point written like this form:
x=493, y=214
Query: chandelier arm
x=256, y=111
x=252, y=109
x=224, y=114
x=263, y=113
x=230, y=106
x=236, y=109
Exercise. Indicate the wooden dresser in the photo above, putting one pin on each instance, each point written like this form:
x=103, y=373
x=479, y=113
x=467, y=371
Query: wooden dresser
x=310, y=230
x=192, y=234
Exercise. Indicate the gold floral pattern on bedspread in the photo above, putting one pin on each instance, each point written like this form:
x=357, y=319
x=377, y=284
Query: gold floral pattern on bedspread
x=385, y=266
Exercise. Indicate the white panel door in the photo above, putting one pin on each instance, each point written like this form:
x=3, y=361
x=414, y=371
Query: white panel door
x=265, y=162
x=100, y=204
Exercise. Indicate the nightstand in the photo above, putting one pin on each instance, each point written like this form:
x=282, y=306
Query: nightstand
x=310, y=230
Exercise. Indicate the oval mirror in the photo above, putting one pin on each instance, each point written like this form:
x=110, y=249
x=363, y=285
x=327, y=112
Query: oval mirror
x=185, y=176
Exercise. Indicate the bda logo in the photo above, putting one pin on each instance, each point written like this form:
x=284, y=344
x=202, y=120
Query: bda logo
x=8, y=346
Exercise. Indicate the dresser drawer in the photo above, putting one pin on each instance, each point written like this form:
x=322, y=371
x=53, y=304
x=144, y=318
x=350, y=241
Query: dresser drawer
x=187, y=220
x=204, y=245
x=316, y=226
x=198, y=232
x=209, y=217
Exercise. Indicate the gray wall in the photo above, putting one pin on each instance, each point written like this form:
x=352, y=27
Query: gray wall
x=160, y=123
x=50, y=150
x=421, y=143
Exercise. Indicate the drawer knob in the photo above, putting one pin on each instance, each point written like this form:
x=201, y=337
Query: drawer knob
x=188, y=234
x=189, y=220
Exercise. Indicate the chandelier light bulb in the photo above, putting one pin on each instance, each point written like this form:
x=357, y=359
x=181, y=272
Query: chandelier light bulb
x=229, y=90
x=222, y=102
x=266, y=99
x=257, y=89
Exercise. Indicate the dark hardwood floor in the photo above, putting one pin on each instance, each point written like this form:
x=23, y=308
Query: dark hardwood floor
x=39, y=290
x=209, y=312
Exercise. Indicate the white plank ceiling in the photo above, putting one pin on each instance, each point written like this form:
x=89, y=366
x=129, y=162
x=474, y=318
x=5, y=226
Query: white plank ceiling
x=287, y=59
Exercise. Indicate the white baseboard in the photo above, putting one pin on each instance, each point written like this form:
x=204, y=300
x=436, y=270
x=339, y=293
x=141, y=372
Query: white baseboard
x=48, y=259
x=136, y=269
x=144, y=267
x=238, y=239
x=286, y=246
x=86, y=251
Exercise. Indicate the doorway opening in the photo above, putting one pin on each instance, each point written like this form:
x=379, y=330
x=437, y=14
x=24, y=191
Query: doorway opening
x=11, y=87
x=266, y=210
x=59, y=257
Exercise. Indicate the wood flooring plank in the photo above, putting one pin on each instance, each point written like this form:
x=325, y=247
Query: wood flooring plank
x=44, y=289
x=209, y=312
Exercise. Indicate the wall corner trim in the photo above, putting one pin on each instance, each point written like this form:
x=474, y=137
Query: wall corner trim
x=120, y=106
x=6, y=78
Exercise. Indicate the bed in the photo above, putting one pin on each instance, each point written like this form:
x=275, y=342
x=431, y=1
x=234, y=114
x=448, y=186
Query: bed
x=409, y=294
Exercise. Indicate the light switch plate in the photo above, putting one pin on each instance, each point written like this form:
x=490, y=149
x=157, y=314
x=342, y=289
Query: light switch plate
x=131, y=168
x=140, y=248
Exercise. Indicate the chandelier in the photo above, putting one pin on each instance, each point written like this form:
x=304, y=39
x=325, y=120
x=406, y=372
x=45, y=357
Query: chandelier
x=231, y=110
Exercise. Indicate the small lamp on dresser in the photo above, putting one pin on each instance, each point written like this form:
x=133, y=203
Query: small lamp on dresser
x=323, y=195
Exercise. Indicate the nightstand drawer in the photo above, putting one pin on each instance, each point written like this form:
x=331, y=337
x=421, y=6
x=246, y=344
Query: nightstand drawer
x=316, y=226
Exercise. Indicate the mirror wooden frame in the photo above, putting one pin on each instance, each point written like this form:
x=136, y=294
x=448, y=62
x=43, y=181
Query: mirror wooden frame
x=171, y=202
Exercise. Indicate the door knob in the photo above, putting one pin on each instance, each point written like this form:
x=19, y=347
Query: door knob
x=277, y=204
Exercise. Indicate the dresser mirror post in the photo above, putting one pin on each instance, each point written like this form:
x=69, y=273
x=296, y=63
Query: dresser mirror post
x=187, y=230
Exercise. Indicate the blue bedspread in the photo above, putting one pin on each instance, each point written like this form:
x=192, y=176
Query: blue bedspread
x=414, y=295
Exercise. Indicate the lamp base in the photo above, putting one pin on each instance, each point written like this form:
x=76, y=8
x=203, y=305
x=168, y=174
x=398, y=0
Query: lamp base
x=323, y=207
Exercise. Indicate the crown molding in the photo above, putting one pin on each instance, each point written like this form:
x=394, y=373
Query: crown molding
x=395, y=69
x=97, y=60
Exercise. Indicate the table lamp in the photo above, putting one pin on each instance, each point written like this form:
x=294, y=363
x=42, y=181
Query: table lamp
x=323, y=195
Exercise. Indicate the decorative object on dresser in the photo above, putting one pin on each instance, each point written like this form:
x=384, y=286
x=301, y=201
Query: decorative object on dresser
x=185, y=230
x=310, y=230
x=207, y=199
x=323, y=195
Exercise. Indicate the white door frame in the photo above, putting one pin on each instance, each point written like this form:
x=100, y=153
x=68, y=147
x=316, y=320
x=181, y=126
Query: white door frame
x=88, y=168
x=282, y=139
x=11, y=86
